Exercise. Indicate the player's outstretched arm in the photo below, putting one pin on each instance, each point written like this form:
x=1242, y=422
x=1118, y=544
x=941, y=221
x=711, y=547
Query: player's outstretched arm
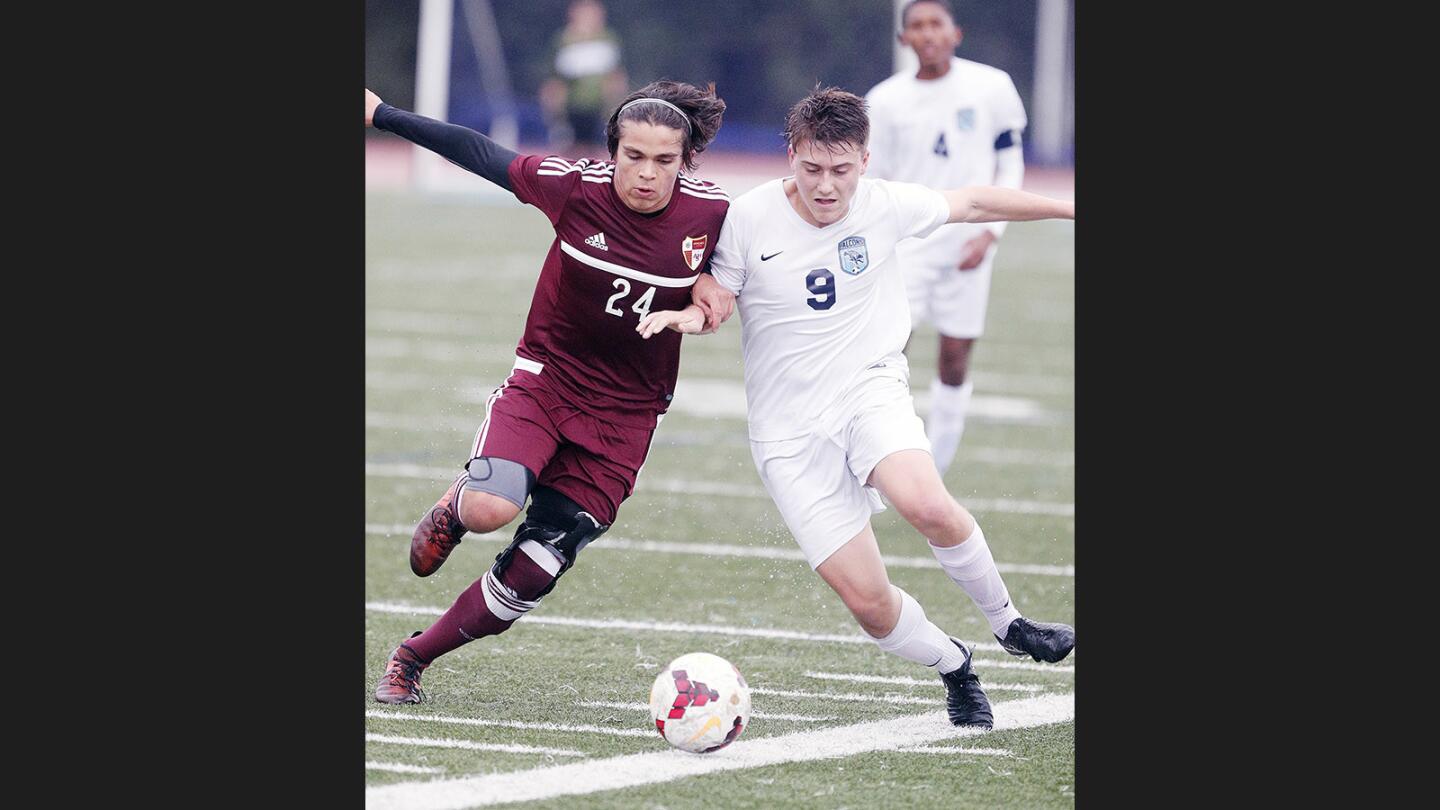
x=995, y=204
x=462, y=146
x=689, y=321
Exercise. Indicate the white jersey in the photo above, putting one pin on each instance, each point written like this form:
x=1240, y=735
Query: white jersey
x=943, y=132
x=818, y=306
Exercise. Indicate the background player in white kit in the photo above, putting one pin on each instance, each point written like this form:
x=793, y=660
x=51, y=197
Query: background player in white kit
x=951, y=123
x=824, y=321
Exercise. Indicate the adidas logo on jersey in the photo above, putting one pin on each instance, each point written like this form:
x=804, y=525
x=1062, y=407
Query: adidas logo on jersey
x=598, y=241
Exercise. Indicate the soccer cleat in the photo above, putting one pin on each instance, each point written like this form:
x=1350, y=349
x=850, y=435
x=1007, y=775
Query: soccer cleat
x=1039, y=640
x=401, y=681
x=438, y=534
x=964, y=699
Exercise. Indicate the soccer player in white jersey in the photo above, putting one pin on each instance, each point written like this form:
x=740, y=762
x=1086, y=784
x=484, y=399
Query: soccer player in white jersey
x=951, y=123
x=824, y=322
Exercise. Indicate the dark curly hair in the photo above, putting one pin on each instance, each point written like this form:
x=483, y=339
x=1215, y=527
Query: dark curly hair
x=703, y=111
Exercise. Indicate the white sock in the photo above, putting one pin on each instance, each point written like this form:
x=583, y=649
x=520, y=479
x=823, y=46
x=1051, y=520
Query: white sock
x=973, y=569
x=916, y=638
x=946, y=424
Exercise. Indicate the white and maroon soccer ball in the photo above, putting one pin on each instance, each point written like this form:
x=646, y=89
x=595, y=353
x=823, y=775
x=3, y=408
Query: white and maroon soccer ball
x=700, y=703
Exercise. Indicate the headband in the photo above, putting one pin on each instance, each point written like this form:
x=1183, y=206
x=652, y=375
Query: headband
x=657, y=101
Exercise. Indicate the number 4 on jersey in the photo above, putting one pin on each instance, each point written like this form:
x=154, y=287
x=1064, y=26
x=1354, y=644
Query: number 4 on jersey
x=940, y=146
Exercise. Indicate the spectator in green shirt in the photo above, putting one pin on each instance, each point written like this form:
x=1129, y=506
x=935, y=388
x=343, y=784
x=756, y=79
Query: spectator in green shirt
x=588, y=80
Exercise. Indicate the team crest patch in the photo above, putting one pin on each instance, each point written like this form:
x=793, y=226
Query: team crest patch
x=854, y=258
x=693, y=249
x=966, y=118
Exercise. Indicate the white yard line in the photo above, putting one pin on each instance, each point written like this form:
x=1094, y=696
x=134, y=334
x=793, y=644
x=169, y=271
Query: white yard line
x=904, y=681
x=647, y=486
x=848, y=697
x=715, y=629
x=614, y=773
x=396, y=767
x=645, y=707
x=507, y=748
x=468, y=389
x=676, y=437
x=569, y=728
x=940, y=749
x=611, y=543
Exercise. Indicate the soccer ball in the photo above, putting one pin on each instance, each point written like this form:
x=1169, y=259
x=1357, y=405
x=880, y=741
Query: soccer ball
x=700, y=703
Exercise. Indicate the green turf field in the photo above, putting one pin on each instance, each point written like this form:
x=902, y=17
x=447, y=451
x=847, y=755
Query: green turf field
x=699, y=560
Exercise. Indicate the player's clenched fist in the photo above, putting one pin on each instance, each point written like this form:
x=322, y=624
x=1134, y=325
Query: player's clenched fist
x=371, y=102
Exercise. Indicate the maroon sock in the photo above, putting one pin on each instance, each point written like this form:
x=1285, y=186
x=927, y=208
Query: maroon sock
x=470, y=618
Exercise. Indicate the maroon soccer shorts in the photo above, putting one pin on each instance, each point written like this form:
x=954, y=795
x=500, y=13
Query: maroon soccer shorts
x=591, y=460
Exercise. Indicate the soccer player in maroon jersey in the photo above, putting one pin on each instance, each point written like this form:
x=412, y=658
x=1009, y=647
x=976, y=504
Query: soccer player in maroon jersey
x=572, y=424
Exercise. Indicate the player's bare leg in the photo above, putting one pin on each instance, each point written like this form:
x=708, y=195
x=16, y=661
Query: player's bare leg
x=857, y=575
x=897, y=623
x=949, y=400
x=909, y=480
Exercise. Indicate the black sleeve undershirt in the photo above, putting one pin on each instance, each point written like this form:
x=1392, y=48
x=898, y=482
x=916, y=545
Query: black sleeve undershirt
x=462, y=146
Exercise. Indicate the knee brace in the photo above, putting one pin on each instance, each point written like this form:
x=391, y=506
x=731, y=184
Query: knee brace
x=555, y=526
x=508, y=479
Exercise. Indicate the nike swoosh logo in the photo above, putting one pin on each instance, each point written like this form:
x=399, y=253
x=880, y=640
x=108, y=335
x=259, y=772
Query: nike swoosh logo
x=765, y=258
x=712, y=723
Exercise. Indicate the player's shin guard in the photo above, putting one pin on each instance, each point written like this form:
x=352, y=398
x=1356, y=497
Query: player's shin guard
x=972, y=567
x=916, y=638
x=946, y=422
x=490, y=605
x=544, y=547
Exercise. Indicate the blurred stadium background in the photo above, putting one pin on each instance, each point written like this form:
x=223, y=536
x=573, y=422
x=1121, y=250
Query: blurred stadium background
x=485, y=60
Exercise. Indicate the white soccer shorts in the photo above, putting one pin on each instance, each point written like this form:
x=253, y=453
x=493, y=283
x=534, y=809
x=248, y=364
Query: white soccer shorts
x=953, y=300
x=818, y=480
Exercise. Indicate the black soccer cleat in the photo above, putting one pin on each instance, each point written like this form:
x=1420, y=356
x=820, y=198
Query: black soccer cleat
x=1042, y=641
x=964, y=699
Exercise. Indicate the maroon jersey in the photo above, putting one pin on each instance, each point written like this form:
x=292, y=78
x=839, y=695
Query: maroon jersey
x=607, y=268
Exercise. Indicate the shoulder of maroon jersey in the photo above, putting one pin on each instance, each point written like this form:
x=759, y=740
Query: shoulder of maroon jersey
x=701, y=189
x=593, y=171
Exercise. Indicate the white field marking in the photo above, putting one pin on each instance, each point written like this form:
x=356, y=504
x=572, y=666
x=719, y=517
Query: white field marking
x=430, y=322
x=468, y=390
x=475, y=721
x=746, y=491
x=645, y=707
x=993, y=381
x=680, y=487
x=410, y=273
x=997, y=663
x=684, y=438
x=724, y=550
x=677, y=627
x=1059, y=361
x=849, y=697
x=1056, y=312
x=398, y=768
x=712, y=397
x=424, y=424
x=437, y=351
x=468, y=745
x=904, y=681
x=1002, y=455
x=940, y=749
x=613, y=773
